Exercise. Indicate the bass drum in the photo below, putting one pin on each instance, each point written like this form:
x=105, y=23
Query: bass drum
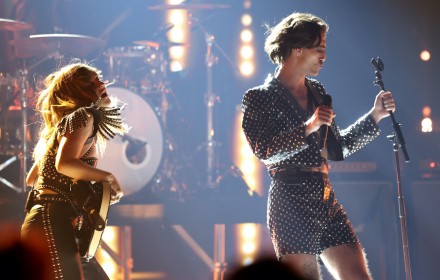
x=136, y=157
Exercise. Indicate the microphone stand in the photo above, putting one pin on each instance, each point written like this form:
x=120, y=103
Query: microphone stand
x=220, y=264
x=398, y=142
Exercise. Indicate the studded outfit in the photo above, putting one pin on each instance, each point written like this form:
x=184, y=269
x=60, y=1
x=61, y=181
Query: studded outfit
x=303, y=215
x=56, y=215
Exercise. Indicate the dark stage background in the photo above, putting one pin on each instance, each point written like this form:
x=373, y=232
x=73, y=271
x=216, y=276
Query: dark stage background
x=395, y=30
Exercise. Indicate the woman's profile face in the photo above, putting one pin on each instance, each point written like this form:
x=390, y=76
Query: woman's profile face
x=100, y=92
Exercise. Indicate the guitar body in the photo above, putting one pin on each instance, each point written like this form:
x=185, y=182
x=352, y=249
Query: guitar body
x=94, y=217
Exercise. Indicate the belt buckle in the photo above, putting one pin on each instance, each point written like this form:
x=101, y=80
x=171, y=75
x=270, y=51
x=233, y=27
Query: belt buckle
x=327, y=191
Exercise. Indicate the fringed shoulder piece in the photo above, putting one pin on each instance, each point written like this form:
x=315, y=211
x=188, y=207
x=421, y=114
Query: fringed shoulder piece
x=73, y=121
x=107, y=122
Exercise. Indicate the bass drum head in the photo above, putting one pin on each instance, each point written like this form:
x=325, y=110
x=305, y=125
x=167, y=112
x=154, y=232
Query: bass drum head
x=136, y=157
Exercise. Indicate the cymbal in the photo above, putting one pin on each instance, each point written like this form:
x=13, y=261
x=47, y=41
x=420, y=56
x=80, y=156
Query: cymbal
x=14, y=25
x=157, y=44
x=189, y=7
x=152, y=44
x=50, y=44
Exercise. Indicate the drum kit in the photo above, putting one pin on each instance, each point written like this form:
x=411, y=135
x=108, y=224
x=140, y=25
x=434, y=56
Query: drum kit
x=144, y=156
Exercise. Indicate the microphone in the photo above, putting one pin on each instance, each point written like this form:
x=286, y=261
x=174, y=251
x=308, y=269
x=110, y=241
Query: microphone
x=326, y=102
x=163, y=29
x=377, y=64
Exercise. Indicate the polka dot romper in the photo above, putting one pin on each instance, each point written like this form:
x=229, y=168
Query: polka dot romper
x=303, y=215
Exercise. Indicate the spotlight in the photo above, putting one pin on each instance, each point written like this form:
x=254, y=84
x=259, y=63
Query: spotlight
x=425, y=55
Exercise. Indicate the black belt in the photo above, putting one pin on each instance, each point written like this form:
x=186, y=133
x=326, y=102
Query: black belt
x=51, y=197
x=36, y=198
x=298, y=172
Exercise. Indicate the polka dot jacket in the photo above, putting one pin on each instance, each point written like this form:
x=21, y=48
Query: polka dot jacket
x=274, y=126
x=303, y=215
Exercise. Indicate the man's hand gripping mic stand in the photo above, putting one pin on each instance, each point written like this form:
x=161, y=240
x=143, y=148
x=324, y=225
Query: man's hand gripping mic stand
x=398, y=142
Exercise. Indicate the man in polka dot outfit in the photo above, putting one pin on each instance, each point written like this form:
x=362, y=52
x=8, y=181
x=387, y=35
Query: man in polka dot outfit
x=289, y=124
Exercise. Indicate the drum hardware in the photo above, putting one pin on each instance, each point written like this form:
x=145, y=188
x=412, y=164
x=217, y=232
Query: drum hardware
x=159, y=44
x=14, y=25
x=136, y=150
x=46, y=46
x=21, y=151
x=210, y=100
x=141, y=69
x=3, y=180
x=146, y=160
x=56, y=45
x=192, y=7
x=24, y=152
x=135, y=159
x=177, y=180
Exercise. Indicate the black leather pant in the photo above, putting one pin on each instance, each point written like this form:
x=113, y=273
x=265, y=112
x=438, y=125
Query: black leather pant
x=52, y=220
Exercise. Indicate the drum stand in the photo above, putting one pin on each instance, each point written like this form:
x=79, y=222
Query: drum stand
x=22, y=155
x=220, y=264
x=210, y=100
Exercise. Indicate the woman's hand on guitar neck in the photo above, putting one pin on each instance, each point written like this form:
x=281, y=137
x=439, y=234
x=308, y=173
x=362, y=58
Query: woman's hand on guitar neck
x=116, y=192
x=115, y=196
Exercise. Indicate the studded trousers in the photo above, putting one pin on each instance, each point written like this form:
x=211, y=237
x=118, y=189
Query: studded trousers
x=52, y=219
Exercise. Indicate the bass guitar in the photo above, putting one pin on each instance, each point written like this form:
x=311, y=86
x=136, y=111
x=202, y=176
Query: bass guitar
x=93, y=218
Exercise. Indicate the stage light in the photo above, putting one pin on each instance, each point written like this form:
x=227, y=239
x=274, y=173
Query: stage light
x=248, y=231
x=250, y=181
x=247, y=52
x=176, y=2
x=248, y=247
x=110, y=237
x=176, y=66
x=176, y=35
x=243, y=157
x=246, y=36
x=426, y=125
x=426, y=111
x=246, y=20
x=247, y=68
x=247, y=261
x=248, y=242
x=176, y=52
x=425, y=55
x=248, y=166
x=179, y=33
x=176, y=17
x=247, y=4
x=109, y=266
x=245, y=151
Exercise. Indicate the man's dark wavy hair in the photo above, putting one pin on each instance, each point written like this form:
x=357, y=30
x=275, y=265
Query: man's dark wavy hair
x=298, y=30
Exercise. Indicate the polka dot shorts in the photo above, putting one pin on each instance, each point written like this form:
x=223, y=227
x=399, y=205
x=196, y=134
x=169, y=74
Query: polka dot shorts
x=304, y=216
